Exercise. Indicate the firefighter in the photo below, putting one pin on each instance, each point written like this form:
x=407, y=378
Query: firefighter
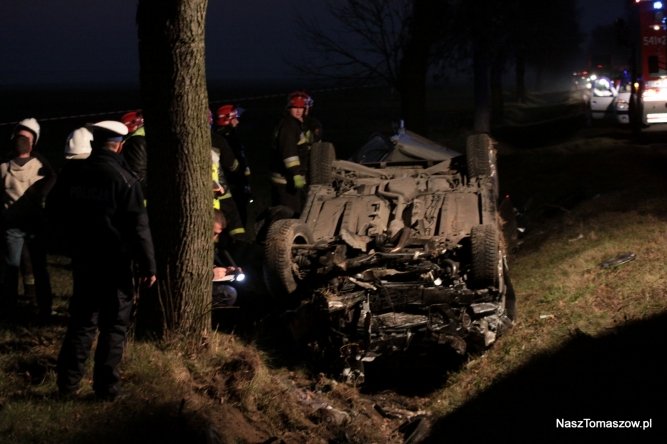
x=226, y=121
x=78, y=144
x=78, y=147
x=134, y=145
x=290, y=155
x=224, y=164
x=312, y=124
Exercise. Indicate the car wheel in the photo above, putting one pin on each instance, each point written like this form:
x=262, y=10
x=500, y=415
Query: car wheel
x=481, y=160
x=322, y=155
x=486, y=267
x=282, y=274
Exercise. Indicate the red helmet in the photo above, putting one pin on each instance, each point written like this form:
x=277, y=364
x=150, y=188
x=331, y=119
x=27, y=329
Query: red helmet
x=133, y=120
x=227, y=113
x=299, y=99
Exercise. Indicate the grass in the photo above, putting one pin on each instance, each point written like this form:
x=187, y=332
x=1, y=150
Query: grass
x=561, y=299
x=170, y=392
x=564, y=294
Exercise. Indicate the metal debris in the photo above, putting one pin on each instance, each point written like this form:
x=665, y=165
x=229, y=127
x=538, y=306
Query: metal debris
x=574, y=239
x=619, y=259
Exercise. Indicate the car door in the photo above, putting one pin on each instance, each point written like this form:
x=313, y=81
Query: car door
x=602, y=97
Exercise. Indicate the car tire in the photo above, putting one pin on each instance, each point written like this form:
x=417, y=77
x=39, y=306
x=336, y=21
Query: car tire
x=486, y=266
x=322, y=155
x=481, y=160
x=269, y=216
x=281, y=271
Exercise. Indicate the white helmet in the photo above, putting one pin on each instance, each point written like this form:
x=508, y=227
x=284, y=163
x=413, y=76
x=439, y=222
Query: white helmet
x=31, y=125
x=78, y=144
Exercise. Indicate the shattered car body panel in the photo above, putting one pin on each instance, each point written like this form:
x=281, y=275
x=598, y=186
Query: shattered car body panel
x=394, y=253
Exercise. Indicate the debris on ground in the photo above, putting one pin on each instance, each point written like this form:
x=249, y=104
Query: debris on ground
x=619, y=259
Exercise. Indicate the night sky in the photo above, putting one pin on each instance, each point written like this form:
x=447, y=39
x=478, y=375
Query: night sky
x=46, y=42
x=75, y=41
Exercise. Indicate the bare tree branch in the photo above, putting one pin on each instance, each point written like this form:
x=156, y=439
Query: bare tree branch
x=367, y=45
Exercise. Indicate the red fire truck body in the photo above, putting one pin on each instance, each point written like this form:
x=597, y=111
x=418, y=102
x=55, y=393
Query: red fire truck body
x=650, y=87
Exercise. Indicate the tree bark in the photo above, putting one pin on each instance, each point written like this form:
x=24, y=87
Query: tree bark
x=427, y=18
x=520, y=77
x=482, y=94
x=414, y=65
x=179, y=198
x=496, y=85
x=412, y=87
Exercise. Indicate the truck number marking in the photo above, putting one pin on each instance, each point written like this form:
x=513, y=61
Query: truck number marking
x=654, y=40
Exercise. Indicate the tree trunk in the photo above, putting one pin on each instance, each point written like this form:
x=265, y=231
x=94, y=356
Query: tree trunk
x=482, y=99
x=497, y=99
x=426, y=18
x=520, y=77
x=412, y=87
x=179, y=198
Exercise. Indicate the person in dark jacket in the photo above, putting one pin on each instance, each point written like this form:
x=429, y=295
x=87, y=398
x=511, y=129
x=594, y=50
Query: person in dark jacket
x=224, y=273
x=134, y=146
x=25, y=181
x=225, y=165
x=77, y=148
x=288, y=165
x=103, y=206
x=226, y=120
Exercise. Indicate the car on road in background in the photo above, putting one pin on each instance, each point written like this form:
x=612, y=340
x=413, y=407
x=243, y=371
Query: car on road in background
x=607, y=100
x=621, y=104
x=402, y=246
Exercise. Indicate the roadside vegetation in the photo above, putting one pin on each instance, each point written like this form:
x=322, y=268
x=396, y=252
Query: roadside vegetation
x=582, y=200
x=588, y=202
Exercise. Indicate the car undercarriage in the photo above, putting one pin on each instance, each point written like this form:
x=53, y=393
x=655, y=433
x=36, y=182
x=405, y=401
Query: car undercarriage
x=395, y=253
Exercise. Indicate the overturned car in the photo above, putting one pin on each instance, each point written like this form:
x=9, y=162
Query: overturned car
x=402, y=245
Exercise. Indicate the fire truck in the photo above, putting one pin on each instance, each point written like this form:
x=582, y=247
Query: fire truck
x=649, y=92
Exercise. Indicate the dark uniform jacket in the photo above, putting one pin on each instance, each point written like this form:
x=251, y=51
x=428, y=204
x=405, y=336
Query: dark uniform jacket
x=134, y=152
x=242, y=173
x=285, y=160
x=101, y=204
x=228, y=162
x=227, y=166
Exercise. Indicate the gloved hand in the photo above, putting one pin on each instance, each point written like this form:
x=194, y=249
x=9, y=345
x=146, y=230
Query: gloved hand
x=299, y=181
x=218, y=189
